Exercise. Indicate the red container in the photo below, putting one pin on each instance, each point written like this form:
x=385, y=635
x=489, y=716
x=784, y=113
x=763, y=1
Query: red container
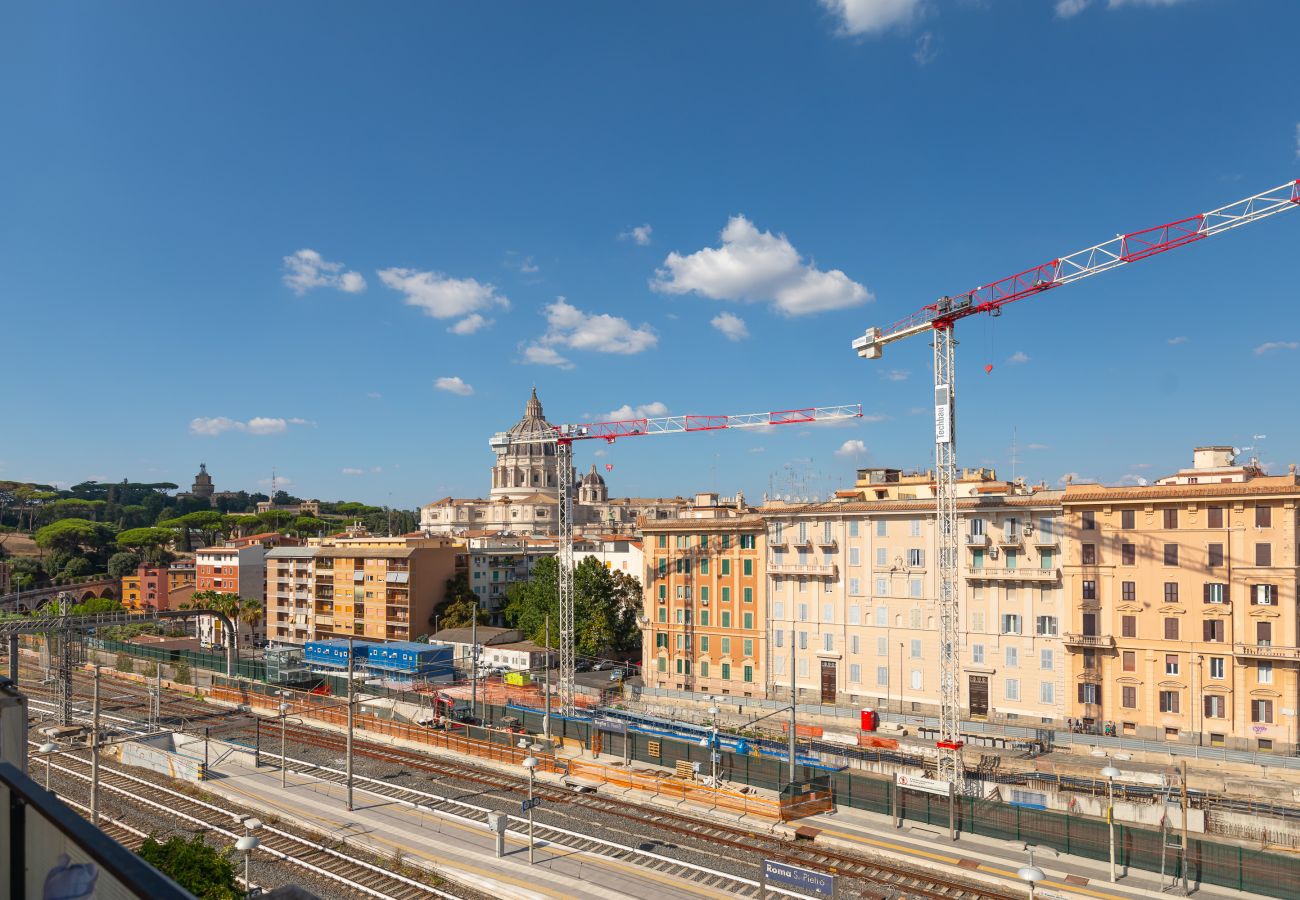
x=870, y=720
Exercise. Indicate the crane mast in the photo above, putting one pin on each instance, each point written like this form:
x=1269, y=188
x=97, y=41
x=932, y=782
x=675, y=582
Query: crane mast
x=563, y=438
x=939, y=319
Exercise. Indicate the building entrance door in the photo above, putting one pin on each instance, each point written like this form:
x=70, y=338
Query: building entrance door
x=979, y=696
x=828, y=681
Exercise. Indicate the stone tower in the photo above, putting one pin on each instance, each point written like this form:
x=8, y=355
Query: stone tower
x=202, y=487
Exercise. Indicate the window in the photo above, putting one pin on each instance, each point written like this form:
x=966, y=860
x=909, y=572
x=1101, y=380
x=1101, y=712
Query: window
x=1128, y=591
x=726, y=594
x=915, y=648
x=704, y=668
x=1171, y=592
x=747, y=541
x=977, y=526
x=882, y=675
x=747, y=620
x=914, y=618
x=977, y=559
x=778, y=638
x=803, y=612
x=882, y=646
x=1261, y=710
x=726, y=671
x=663, y=567
x=1045, y=659
x=803, y=640
x=1089, y=589
x=704, y=567
x=1264, y=672
x=882, y=617
x=828, y=612
x=747, y=645
x=1169, y=701
x=1128, y=697
x=726, y=646
x=882, y=587
x=803, y=532
x=726, y=567
x=977, y=621
x=1171, y=518
x=1009, y=560
x=1171, y=554
x=977, y=654
x=1012, y=656
x=747, y=594
x=1090, y=554
x=918, y=680
x=661, y=640
x=726, y=619
x=1013, y=689
x=1213, y=629
x=663, y=614
x=855, y=588
x=914, y=527
x=828, y=586
x=1047, y=693
x=1045, y=626
x=1264, y=634
x=1129, y=661
x=828, y=642
x=1011, y=623
x=663, y=541
x=1128, y=554
x=1171, y=628
x=704, y=594
x=1214, y=516
x=1089, y=693
x=855, y=556
x=1264, y=553
x=1171, y=663
x=1214, y=556
x=916, y=559
x=1089, y=520
x=882, y=557
x=1126, y=519
x=1263, y=594
x=855, y=673
x=803, y=668
x=1128, y=626
x=915, y=587
x=1263, y=516
x=853, y=528
x=853, y=643
x=747, y=567
x=1216, y=667
x=778, y=609
x=704, y=645
x=778, y=532
x=1214, y=593
x=880, y=528
x=663, y=663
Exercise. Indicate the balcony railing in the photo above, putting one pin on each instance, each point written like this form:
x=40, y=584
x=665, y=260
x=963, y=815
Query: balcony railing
x=1001, y=573
x=828, y=542
x=1266, y=651
x=796, y=569
x=977, y=540
x=1089, y=640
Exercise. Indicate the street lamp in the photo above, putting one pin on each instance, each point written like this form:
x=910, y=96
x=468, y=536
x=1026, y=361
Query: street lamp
x=284, y=718
x=1110, y=773
x=1031, y=873
x=530, y=764
x=46, y=749
x=713, y=751
x=246, y=845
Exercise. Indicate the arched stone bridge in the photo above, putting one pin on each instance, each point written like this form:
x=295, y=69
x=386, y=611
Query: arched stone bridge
x=34, y=598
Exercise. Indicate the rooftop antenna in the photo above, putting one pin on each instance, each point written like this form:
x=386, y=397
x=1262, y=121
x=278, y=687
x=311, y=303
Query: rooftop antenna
x=272, y=484
x=1014, y=430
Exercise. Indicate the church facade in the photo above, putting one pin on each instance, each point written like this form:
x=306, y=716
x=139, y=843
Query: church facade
x=523, y=498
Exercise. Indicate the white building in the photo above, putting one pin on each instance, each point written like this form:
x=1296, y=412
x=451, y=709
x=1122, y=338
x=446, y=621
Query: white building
x=290, y=586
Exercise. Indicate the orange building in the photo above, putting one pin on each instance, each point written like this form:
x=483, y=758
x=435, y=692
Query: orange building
x=704, y=613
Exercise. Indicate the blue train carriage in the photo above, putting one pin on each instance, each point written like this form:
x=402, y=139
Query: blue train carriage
x=333, y=654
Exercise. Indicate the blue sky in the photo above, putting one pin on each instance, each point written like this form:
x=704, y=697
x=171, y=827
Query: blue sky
x=259, y=235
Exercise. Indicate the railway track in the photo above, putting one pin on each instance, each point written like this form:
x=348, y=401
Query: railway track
x=338, y=863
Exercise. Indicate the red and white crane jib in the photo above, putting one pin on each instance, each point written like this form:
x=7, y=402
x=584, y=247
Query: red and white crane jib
x=1119, y=250
x=612, y=431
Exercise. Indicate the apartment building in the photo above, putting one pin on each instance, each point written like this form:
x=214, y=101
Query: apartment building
x=290, y=580
x=1184, y=623
x=231, y=570
x=151, y=587
x=703, y=613
x=497, y=561
x=383, y=588
x=852, y=588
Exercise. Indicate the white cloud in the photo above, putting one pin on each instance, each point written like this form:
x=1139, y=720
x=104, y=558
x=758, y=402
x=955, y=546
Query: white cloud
x=375, y=395
x=925, y=51
x=296, y=421
x=267, y=425
x=211, y=426
x=1131, y=479
x=732, y=326
x=602, y=451
x=851, y=448
x=1037, y=447
x=568, y=326
x=895, y=374
x=1115, y=4
x=528, y=267
x=753, y=266
x=442, y=297
x=639, y=235
x=1180, y=339
x=644, y=411
x=869, y=418
x=1017, y=358
x=453, y=384
x=351, y=471
x=306, y=269
x=1276, y=345
x=757, y=449
x=1066, y=9
x=859, y=17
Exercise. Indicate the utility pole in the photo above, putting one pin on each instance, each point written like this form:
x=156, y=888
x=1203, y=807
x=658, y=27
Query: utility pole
x=1183, y=804
x=473, y=662
x=794, y=702
x=94, y=754
x=350, y=683
x=546, y=717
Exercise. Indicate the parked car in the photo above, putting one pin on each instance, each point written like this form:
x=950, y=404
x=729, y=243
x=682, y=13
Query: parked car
x=600, y=664
x=582, y=666
x=616, y=675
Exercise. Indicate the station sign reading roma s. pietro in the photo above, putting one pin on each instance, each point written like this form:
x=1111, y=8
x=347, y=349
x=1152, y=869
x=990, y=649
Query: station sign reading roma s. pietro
x=807, y=881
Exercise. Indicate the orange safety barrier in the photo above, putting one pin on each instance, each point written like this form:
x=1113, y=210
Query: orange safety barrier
x=674, y=788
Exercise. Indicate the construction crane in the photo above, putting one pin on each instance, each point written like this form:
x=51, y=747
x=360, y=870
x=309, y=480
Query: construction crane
x=939, y=318
x=562, y=437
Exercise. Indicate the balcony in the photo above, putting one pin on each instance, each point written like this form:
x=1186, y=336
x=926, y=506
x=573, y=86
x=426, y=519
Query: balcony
x=1104, y=641
x=796, y=569
x=977, y=541
x=1089, y=676
x=778, y=541
x=1009, y=539
x=990, y=573
x=827, y=541
x=1265, y=651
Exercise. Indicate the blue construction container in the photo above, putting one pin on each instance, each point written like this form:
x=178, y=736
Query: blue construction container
x=334, y=653
x=411, y=660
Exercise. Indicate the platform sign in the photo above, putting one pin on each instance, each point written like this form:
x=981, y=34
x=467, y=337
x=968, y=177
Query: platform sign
x=529, y=804
x=796, y=878
x=926, y=785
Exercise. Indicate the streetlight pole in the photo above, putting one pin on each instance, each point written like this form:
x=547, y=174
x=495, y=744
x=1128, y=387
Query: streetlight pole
x=713, y=752
x=1031, y=873
x=546, y=717
x=46, y=749
x=530, y=764
x=246, y=845
x=473, y=661
x=350, y=689
x=284, y=718
x=94, y=755
x=794, y=700
x=1110, y=773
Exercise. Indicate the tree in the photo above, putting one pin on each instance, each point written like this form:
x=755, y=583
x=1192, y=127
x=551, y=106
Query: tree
x=183, y=674
x=96, y=606
x=124, y=563
x=309, y=525
x=605, y=606
x=143, y=539
x=250, y=612
x=74, y=535
x=458, y=605
x=77, y=567
x=125, y=663
x=204, y=871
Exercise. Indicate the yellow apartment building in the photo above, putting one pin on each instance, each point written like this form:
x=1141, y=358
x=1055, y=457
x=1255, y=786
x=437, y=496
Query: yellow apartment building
x=703, y=617
x=380, y=588
x=1183, y=593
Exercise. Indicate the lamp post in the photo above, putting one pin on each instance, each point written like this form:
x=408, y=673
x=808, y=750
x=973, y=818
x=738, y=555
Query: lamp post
x=1110, y=773
x=1031, y=873
x=530, y=764
x=284, y=718
x=45, y=750
x=713, y=751
x=246, y=845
